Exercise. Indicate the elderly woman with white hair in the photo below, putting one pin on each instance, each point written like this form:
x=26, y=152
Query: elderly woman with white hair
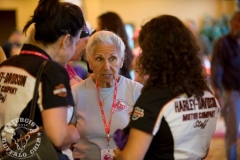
x=105, y=100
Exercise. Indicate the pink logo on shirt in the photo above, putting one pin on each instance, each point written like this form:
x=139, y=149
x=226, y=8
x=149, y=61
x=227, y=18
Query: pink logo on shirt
x=121, y=107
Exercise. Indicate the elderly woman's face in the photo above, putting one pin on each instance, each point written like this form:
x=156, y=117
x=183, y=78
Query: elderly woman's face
x=105, y=63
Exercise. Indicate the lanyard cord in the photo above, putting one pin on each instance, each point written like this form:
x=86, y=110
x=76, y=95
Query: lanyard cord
x=107, y=126
x=72, y=74
x=33, y=53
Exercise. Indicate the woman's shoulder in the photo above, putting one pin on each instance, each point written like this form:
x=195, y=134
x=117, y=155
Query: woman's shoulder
x=55, y=69
x=157, y=93
x=129, y=82
x=208, y=93
x=154, y=97
x=86, y=83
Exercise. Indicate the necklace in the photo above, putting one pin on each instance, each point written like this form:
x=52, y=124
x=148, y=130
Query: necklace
x=103, y=99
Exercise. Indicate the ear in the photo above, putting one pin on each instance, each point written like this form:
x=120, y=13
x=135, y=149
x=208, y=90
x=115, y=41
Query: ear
x=66, y=40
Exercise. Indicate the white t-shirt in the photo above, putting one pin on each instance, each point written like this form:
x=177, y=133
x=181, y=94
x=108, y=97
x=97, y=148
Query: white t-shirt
x=89, y=119
x=182, y=127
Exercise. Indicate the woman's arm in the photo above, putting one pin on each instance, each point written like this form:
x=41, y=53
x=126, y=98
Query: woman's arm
x=136, y=147
x=59, y=132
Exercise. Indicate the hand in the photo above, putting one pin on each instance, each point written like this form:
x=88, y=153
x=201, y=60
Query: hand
x=74, y=133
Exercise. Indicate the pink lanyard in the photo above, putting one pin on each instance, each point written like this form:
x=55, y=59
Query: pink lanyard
x=33, y=53
x=107, y=126
x=72, y=74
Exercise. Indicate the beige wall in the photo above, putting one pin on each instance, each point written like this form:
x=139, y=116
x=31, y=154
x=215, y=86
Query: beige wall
x=139, y=11
x=132, y=11
x=24, y=9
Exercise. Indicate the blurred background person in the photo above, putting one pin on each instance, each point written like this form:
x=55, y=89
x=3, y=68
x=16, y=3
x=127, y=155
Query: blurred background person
x=111, y=21
x=13, y=45
x=168, y=119
x=104, y=100
x=225, y=78
x=136, y=49
x=205, y=46
x=136, y=52
x=76, y=68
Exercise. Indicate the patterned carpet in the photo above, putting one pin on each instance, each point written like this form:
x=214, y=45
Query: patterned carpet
x=217, y=150
x=217, y=147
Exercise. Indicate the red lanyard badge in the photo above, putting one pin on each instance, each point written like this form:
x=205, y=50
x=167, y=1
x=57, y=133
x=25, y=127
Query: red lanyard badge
x=107, y=126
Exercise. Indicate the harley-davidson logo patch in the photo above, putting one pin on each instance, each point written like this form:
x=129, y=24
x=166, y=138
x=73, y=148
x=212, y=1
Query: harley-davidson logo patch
x=138, y=112
x=60, y=90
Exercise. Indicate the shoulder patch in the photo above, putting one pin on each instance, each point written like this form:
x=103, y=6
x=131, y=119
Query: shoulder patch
x=137, y=113
x=60, y=90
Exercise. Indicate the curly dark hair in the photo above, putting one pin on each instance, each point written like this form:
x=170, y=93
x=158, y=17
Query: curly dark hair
x=169, y=57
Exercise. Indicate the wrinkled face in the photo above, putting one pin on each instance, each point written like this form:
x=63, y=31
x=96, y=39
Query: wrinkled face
x=105, y=63
x=235, y=25
x=80, y=49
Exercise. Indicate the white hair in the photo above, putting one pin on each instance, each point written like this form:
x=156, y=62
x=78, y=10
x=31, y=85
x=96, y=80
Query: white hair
x=107, y=38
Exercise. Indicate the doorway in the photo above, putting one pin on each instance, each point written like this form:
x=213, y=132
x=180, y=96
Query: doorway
x=7, y=24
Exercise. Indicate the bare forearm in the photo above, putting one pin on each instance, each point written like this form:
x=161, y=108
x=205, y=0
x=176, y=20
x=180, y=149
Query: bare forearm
x=59, y=132
x=60, y=139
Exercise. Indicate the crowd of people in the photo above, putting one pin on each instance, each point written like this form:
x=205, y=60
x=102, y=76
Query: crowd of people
x=99, y=111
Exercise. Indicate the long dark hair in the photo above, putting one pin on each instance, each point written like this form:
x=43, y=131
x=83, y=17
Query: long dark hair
x=169, y=57
x=53, y=19
x=111, y=21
